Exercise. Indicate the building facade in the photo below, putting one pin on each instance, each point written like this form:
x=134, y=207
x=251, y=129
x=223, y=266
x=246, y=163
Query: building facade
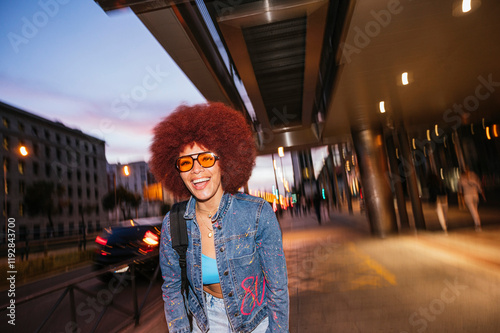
x=71, y=162
x=135, y=177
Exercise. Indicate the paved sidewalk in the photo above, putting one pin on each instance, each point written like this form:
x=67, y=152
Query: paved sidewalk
x=341, y=279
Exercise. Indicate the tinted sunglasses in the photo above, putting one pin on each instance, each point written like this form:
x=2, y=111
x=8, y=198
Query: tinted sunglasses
x=186, y=163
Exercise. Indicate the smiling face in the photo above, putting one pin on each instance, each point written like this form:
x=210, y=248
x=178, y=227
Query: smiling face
x=203, y=183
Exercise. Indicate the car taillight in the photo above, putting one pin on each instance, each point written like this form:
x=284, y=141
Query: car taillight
x=100, y=240
x=150, y=238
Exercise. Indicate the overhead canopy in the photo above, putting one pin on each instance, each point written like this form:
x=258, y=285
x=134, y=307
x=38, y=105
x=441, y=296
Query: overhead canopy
x=315, y=70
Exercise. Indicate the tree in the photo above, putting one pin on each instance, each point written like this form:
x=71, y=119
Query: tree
x=125, y=200
x=44, y=198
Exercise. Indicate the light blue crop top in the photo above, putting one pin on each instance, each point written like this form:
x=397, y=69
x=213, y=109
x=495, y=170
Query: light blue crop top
x=209, y=270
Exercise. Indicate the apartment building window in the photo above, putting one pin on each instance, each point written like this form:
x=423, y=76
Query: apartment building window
x=79, y=192
x=87, y=177
x=21, y=209
x=47, y=169
x=47, y=135
x=6, y=164
x=36, y=231
x=88, y=193
x=6, y=143
x=70, y=209
x=22, y=187
x=20, y=125
x=94, y=161
x=71, y=227
x=6, y=122
x=20, y=167
x=96, y=194
x=47, y=152
x=78, y=175
x=35, y=168
x=60, y=229
x=95, y=178
x=87, y=161
x=36, y=150
x=58, y=154
x=68, y=140
x=34, y=131
x=58, y=138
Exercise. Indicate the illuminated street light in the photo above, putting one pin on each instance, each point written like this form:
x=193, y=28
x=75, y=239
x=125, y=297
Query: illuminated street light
x=126, y=170
x=23, y=151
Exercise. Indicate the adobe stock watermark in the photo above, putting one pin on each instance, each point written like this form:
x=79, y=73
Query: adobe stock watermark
x=321, y=253
x=92, y=306
x=121, y=107
x=471, y=103
x=31, y=25
x=363, y=37
x=279, y=118
x=452, y=116
x=223, y=8
x=420, y=319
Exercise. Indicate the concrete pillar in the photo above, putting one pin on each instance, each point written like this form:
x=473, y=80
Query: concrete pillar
x=396, y=181
x=373, y=168
x=411, y=178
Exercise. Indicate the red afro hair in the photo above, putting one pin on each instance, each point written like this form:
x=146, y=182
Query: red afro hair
x=215, y=126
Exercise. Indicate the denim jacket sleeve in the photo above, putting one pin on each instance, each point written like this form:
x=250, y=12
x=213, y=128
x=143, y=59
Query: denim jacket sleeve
x=175, y=310
x=270, y=249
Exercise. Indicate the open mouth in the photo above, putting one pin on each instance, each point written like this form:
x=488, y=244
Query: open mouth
x=200, y=183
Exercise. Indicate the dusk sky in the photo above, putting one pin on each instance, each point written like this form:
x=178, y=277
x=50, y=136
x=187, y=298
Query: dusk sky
x=67, y=60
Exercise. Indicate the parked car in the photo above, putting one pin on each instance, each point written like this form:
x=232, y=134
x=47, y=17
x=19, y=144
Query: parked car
x=135, y=238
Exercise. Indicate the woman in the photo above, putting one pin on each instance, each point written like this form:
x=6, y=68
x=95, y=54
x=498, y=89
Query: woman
x=235, y=263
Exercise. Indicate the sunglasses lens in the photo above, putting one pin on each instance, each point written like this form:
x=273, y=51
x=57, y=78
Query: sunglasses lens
x=185, y=163
x=206, y=160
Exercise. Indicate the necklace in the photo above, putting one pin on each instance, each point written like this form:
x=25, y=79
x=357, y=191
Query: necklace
x=210, y=231
x=207, y=211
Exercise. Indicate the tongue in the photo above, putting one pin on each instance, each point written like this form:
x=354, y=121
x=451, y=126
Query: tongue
x=200, y=185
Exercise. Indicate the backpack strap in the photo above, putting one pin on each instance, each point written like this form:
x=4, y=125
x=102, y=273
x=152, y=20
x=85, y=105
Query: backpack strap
x=178, y=232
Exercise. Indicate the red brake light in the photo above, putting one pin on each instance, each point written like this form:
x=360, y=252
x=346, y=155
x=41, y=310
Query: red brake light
x=100, y=240
x=150, y=238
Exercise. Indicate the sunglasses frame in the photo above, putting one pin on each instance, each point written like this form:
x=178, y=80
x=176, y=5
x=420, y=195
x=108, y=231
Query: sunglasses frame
x=216, y=158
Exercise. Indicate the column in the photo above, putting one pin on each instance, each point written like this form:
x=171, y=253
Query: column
x=373, y=168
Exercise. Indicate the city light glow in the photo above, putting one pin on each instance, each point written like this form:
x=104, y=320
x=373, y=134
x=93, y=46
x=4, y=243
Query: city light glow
x=466, y=6
x=381, y=106
x=404, y=78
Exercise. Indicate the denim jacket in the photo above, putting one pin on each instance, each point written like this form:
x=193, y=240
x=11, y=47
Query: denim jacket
x=250, y=262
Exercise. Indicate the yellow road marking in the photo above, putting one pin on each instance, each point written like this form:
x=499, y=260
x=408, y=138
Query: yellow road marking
x=378, y=268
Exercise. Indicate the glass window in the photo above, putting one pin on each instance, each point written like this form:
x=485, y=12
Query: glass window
x=5, y=122
x=20, y=167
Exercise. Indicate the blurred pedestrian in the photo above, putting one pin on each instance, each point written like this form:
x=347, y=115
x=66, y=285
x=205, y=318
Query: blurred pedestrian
x=469, y=187
x=439, y=195
x=317, y=206
x=236, y=269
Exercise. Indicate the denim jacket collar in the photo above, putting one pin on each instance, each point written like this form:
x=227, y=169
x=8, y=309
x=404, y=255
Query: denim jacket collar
x=224, y=204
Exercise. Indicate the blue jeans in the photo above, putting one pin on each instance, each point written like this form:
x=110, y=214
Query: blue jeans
x=217, y=318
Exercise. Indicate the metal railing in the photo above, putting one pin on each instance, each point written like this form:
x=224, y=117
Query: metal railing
x=69, y=288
